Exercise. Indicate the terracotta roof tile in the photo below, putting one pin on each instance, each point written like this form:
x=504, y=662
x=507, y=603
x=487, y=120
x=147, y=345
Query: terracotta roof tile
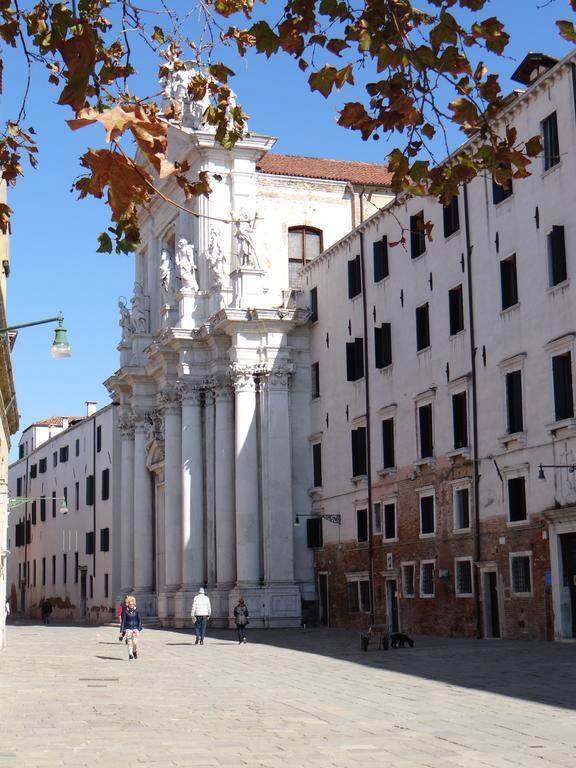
x=374, y=174
x=57, y=421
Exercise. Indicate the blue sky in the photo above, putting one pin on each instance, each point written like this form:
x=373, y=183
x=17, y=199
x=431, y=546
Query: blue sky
x=54, y=264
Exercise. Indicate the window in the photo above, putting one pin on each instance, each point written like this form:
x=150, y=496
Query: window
x=90, y=543
x=422, y=327
x=563, y=396
x=33, y=470
x=104, y=539
x=460, y=420
x=463, y=578
x=53, y=503
x=381, y=259
x=359, y=595
x=377, y=508
x=509, y=282
x=388, y=454
x=358, y=451
x=21, y=451
x=314, y=305
x=557, y=256
x=42, y=509
x=304, y=244
x=314, y=532
x=28, y=532
x=408, y=585
x=354, y=277
x=317, y=464
x=18, y=486
x=425, y=431
x=501, y=191
x=550, y=140
x=19, y=534
x=53, y=569
x=390, y=520
x=105, y=585
x=362, y=525
x=64, y=568
x=34, y=573
x=33, y=513
x=76, y=496
x=520, y=574
x=315, y=371
x=77, y=447
x=456, y=309
x=417, y=235
x=43, y=571
x=451, y=217
x=427, y=579
x=91, y=586
x=383, y=345
x=98, y=439
x=517, y=499
x=105, y=484
x=64, y=453
x=55, y=459
x=427, y=523
x=461, y=509
x=76, y=567
x=355, y=359
x=42, y=466
x=514, y=402
x=90, y=490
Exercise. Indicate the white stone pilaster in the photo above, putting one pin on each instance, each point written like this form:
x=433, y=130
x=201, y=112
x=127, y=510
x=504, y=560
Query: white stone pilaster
x=126, y=427
x=209, y=479
x=143, y=511
x=192, y=488
x=172, y=488
x=224, y=491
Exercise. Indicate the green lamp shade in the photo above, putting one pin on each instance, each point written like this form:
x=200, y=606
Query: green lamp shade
x=60, y=347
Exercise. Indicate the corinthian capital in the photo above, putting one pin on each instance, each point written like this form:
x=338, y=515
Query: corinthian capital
x=191, y=391
x=242, y=377
x=278, y=377
x=126, y=425
x=169, y=401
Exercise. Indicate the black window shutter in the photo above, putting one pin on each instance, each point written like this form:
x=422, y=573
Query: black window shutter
x=359, y=357
x=557, y=255
x=514, y=401
x=388, y=443
x=425, y=422
x=90, y=490
x=314, y=532
x=563, y=396
x=378, y=347
x=387, y=344
x=317, y=464
x=517, y=499
x=459, y=420
x=381, y=259
x=362, y=524
x=351, y=361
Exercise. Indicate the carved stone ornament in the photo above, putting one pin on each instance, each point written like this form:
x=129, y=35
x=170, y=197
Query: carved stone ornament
x=191, y=391
x=169, y=401
x=243, y=378
x=186, y=266
x=244, y=227
x=126, y=426
x=278, y=378
x=154, y=428
x=126, y=323
x=139, y=313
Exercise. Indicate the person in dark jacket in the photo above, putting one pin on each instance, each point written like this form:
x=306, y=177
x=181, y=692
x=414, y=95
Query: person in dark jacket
x=131, y=626
x=241, y=619
x=46, y=611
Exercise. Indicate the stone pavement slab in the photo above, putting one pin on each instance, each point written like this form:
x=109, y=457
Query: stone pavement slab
x=70, y=697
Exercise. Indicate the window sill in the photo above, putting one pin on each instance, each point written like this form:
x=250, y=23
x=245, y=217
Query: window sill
x=465, y=595
x=567, y=424
x=458, y=334
x=315, y=492
x=395, y=540
x=550, y=170
x=414, y=259
x=358, y=479
x=514, y=437
x=385, y=369
x=509, y=310
x=427, y=597
x=431, y=460
x=427, y=535
x=386, y=471
x=382, y=280
x=517, y=523
x=315, y=398
x=552, y=289
x=464, y=452
x=451, y=235
x=521, y=594
x=506, y=199
x=424, y=349
x=459, y=531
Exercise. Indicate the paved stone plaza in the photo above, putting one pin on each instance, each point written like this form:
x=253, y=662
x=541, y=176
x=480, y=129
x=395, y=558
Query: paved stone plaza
x=70, y=697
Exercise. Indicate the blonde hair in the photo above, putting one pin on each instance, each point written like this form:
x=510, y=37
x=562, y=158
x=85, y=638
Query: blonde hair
x=131, y=600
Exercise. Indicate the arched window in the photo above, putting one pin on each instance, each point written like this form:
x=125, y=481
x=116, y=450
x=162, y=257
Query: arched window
x=304, y=244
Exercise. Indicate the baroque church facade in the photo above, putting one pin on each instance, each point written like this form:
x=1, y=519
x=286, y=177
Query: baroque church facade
x=214, y=388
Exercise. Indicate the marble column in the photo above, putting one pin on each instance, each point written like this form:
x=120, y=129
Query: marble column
x=143, y=510
x=170, y=403
x=248, y=566
x=192, y=488
x=209, y=482
x=224, y=486
x=126, y=427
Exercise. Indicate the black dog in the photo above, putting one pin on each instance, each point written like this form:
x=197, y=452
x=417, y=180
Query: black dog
x=400, y=639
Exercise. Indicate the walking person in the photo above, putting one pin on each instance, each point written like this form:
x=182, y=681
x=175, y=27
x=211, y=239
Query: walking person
x=121, y=609
x=46, y=611
x=241, y=619
x=201, y=610
x=131, y=627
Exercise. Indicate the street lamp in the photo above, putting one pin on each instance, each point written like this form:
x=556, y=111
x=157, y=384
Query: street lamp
x=336, y=519
x=60, y=346
x=16, y=501
x=542, y=467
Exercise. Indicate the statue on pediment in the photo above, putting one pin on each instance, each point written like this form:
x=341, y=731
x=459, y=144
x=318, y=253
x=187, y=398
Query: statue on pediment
x=126, y=323
x=186, y=266
x=244, y=235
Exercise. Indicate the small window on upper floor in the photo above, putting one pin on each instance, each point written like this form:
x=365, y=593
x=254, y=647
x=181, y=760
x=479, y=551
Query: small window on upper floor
x=314, y=305
x=304, y=244
x=509, y=282
x=381, y=269
x=98, y=439
x=417, y=235
x=354, y=277
x=556, y=256
x=501, y=191
x=550, y=141
x=451, y=217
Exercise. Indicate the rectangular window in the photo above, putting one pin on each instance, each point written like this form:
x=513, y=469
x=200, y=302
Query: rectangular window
x=359, y=596
x=104, y=539
x=422, y=327
x=451, y=217
x=461, y=508
x=563, y=395
x=42, y=509
x=43, y=571
x=76, y=567
x=460, y=420
x=362, y=525
x=354, y=277
x=77, y=447
x=28, y=532
x=21, y=451
x=557, y=256
x=520, y=574
x=388, y=452
x=90, y=543
x=55, y=459
x=64, y=453
x=314, y=305
x=463, y=578
x=383, y=345
x=33, y=512
x=550, y=141
x=76, y=496
x=34, y=573
x=317, y=464
x=42, y=466
x=389, y=521
x=408, y=581
x=427, y=523
x=33, y=471
x=456, y=309
x=106, y=585
x=381, y=259
x=98, y=439
x=514, y=402
x=105, y=484
x=315, y=370
x=377, y=508
x=64, y=568
x=358, y=451
x=314, y=538
x=427, y=579
x=355, y=359
x=417, y=235
x=90, y=490
x=18, y=486
x=501, y=191
x=425, y=430
x=517, y=499
x=53, y=569
x=53, y=503
x=509, y=282
x=91, y=586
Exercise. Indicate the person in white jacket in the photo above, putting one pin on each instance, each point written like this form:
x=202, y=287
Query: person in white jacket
x=201, y=610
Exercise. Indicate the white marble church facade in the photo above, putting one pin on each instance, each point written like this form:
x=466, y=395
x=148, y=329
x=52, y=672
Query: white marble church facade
x=214, y=384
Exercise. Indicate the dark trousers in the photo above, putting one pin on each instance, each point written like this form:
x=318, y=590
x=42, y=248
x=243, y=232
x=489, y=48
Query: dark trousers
x=200, y=626
x=240, y=629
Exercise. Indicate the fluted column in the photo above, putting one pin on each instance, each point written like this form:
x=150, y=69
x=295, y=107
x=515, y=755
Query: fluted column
x=224, y=485
x=170, y=402
x=192, y=488
x=126, y=427
x=209, y=482
x=143, y=510
x=248, y=567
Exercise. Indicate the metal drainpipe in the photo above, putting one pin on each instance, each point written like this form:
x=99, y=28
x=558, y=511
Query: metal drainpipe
x=26, y=585
x=475, y=461
x=94, y=499
x=368, y=431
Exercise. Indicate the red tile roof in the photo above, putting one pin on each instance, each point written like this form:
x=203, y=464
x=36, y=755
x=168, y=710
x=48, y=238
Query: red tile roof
x=57, y=421
x=373, y=174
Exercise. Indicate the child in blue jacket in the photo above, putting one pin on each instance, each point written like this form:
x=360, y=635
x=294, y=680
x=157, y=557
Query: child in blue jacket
x=131, y=626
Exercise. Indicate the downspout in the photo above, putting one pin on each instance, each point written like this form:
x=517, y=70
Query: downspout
x=475, y=460
x=368, y=420
x=94, y=499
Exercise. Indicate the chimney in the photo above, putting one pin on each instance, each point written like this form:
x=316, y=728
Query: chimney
x=90, y=407
x=65, y=422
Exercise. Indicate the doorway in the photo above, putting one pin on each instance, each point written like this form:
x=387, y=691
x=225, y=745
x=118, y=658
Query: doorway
x=83, y=605
x=323, y=617
x=568, y=549
x=491, y=605
x=392, y=605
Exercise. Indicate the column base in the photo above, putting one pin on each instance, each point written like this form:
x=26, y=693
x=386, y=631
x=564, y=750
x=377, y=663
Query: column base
x=183, y=600
x=166, y=606
x=146, y=601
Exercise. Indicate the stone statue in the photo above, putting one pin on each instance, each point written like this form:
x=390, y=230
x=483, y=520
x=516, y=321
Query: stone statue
x=187, y=269
x=139, y=313
x=125, y=320
x=216, y=257
x=244, y=231
x=166, y=272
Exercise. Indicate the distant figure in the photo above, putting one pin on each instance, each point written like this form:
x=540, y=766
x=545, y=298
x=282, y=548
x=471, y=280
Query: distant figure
x=201, y=611
x=125, y=320
x=139, y=315
x=131, y=627
x=166, y=268
x=186, y=266
x=121, y=609
x=7, y=608
x=46, y=611
x=244, y=240
x=241, y=619
x=216, y=256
